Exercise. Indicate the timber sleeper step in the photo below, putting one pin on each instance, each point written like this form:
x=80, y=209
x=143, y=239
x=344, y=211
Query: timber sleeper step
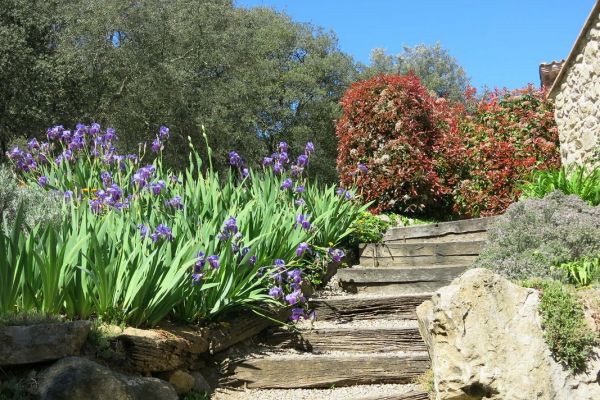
x=283, y=371
x=361, y=307
x=418, y=254
x=362, y=337
x=397, y=280
x=470, y=229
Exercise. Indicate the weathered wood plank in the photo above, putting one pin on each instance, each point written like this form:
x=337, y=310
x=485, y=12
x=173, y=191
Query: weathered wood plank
x=416, y=261
x=397, y=275
x=414, y=395
x=351, y=340
x=447, y=238
x=423, y=249
x=349, y=308
x=324, y=371
x=394, y=289
x=439, y=229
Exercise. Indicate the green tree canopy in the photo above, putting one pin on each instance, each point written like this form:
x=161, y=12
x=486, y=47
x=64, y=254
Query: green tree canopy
x=437, y=69
x=252, y=77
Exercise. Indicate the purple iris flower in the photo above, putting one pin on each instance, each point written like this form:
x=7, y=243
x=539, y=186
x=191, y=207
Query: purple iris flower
x=162, y=231
x=197, y=279
x=279, y=263
x=302, y=220
x=230, y=225
x=115, y=193
x=302, y=248
x=174, y=179
x=252, y=260
x=157, y=187
x=300, y=189
x=199, y=265
x=163, y=132
x=106, y=178
x=294, y=297
x=235, y=159
x=110, y=134
x=277, y=277
x=297, y=314
x=267, y=161
x=213, y=261
x=309, y=148
x=336, y=254
x=302, y=160
x=96, y=205
x=363, y=168
x=54, y=132
x=300, y=202
x=43, y=181
x=295, y=275
x=157, y=145
x=175, y=202
x=65, y=136
x=68, y=194
x=15, y=154
x=245, y=173
x=143, y=230
x=33, y=144
x=287, y=184
x=283, y=147
x=276, y=292
x=277, y=168
x=283, y=157
x=95, y=129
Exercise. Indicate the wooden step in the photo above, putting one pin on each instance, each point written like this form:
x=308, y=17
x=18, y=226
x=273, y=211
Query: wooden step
x=399, y=281
x=468, y=229
x=326, y=370
x=351, y=338
x=349, y=308
x=415, y=254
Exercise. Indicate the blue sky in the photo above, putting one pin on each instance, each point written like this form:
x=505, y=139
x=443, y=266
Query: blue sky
x=499, y=43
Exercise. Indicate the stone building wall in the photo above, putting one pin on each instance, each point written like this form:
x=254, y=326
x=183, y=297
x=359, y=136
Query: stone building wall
x=577, y=100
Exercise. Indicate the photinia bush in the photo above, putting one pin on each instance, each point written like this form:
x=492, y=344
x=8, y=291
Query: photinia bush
x=392, y=144
x=507, y=136
x=410, y=152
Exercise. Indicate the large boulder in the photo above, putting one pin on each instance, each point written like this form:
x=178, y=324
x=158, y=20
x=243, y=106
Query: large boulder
x=30, y=344
x=485, y=341
x=75, y=378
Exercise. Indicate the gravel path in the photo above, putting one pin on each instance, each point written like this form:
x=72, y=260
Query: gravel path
x=343, y=393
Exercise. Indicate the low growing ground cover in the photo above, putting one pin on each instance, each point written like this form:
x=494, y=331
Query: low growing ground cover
x=552, y=244
x=137, y=243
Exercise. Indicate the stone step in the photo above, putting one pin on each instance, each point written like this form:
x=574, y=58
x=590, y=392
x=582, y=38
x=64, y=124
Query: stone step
x=305, y=370
x=357, y=392
x=398, y=281
x=469, y=229
x=361, y=307
x=417, y=254
x=360, y=336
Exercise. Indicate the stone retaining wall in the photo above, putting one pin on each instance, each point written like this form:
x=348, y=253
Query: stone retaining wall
x=578, y=100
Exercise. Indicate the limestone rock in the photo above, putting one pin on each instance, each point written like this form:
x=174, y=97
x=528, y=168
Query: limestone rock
x=43, y=342
x=75, y=378
x=485, y=341
x=181, y=381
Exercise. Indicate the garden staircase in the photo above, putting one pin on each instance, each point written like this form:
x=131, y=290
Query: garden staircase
x=365, y=343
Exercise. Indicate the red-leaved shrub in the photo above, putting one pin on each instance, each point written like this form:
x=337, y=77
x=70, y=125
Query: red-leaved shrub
x=506, y=136
x=411, y=152
x=392, y=125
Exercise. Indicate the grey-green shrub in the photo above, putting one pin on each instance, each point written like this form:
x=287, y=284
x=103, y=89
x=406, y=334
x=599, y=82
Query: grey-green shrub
x=536, y=235
x=39, y=206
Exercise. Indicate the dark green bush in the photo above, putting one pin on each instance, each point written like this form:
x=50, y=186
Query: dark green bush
x=566, y=331
x=576, y=180
x=369, y=228
x=534, y=236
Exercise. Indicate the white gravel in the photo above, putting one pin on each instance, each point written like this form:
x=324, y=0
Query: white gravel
x=382, y=324
x=343, y=393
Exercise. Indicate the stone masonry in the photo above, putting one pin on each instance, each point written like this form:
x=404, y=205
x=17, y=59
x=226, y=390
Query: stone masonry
x=577, y=96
